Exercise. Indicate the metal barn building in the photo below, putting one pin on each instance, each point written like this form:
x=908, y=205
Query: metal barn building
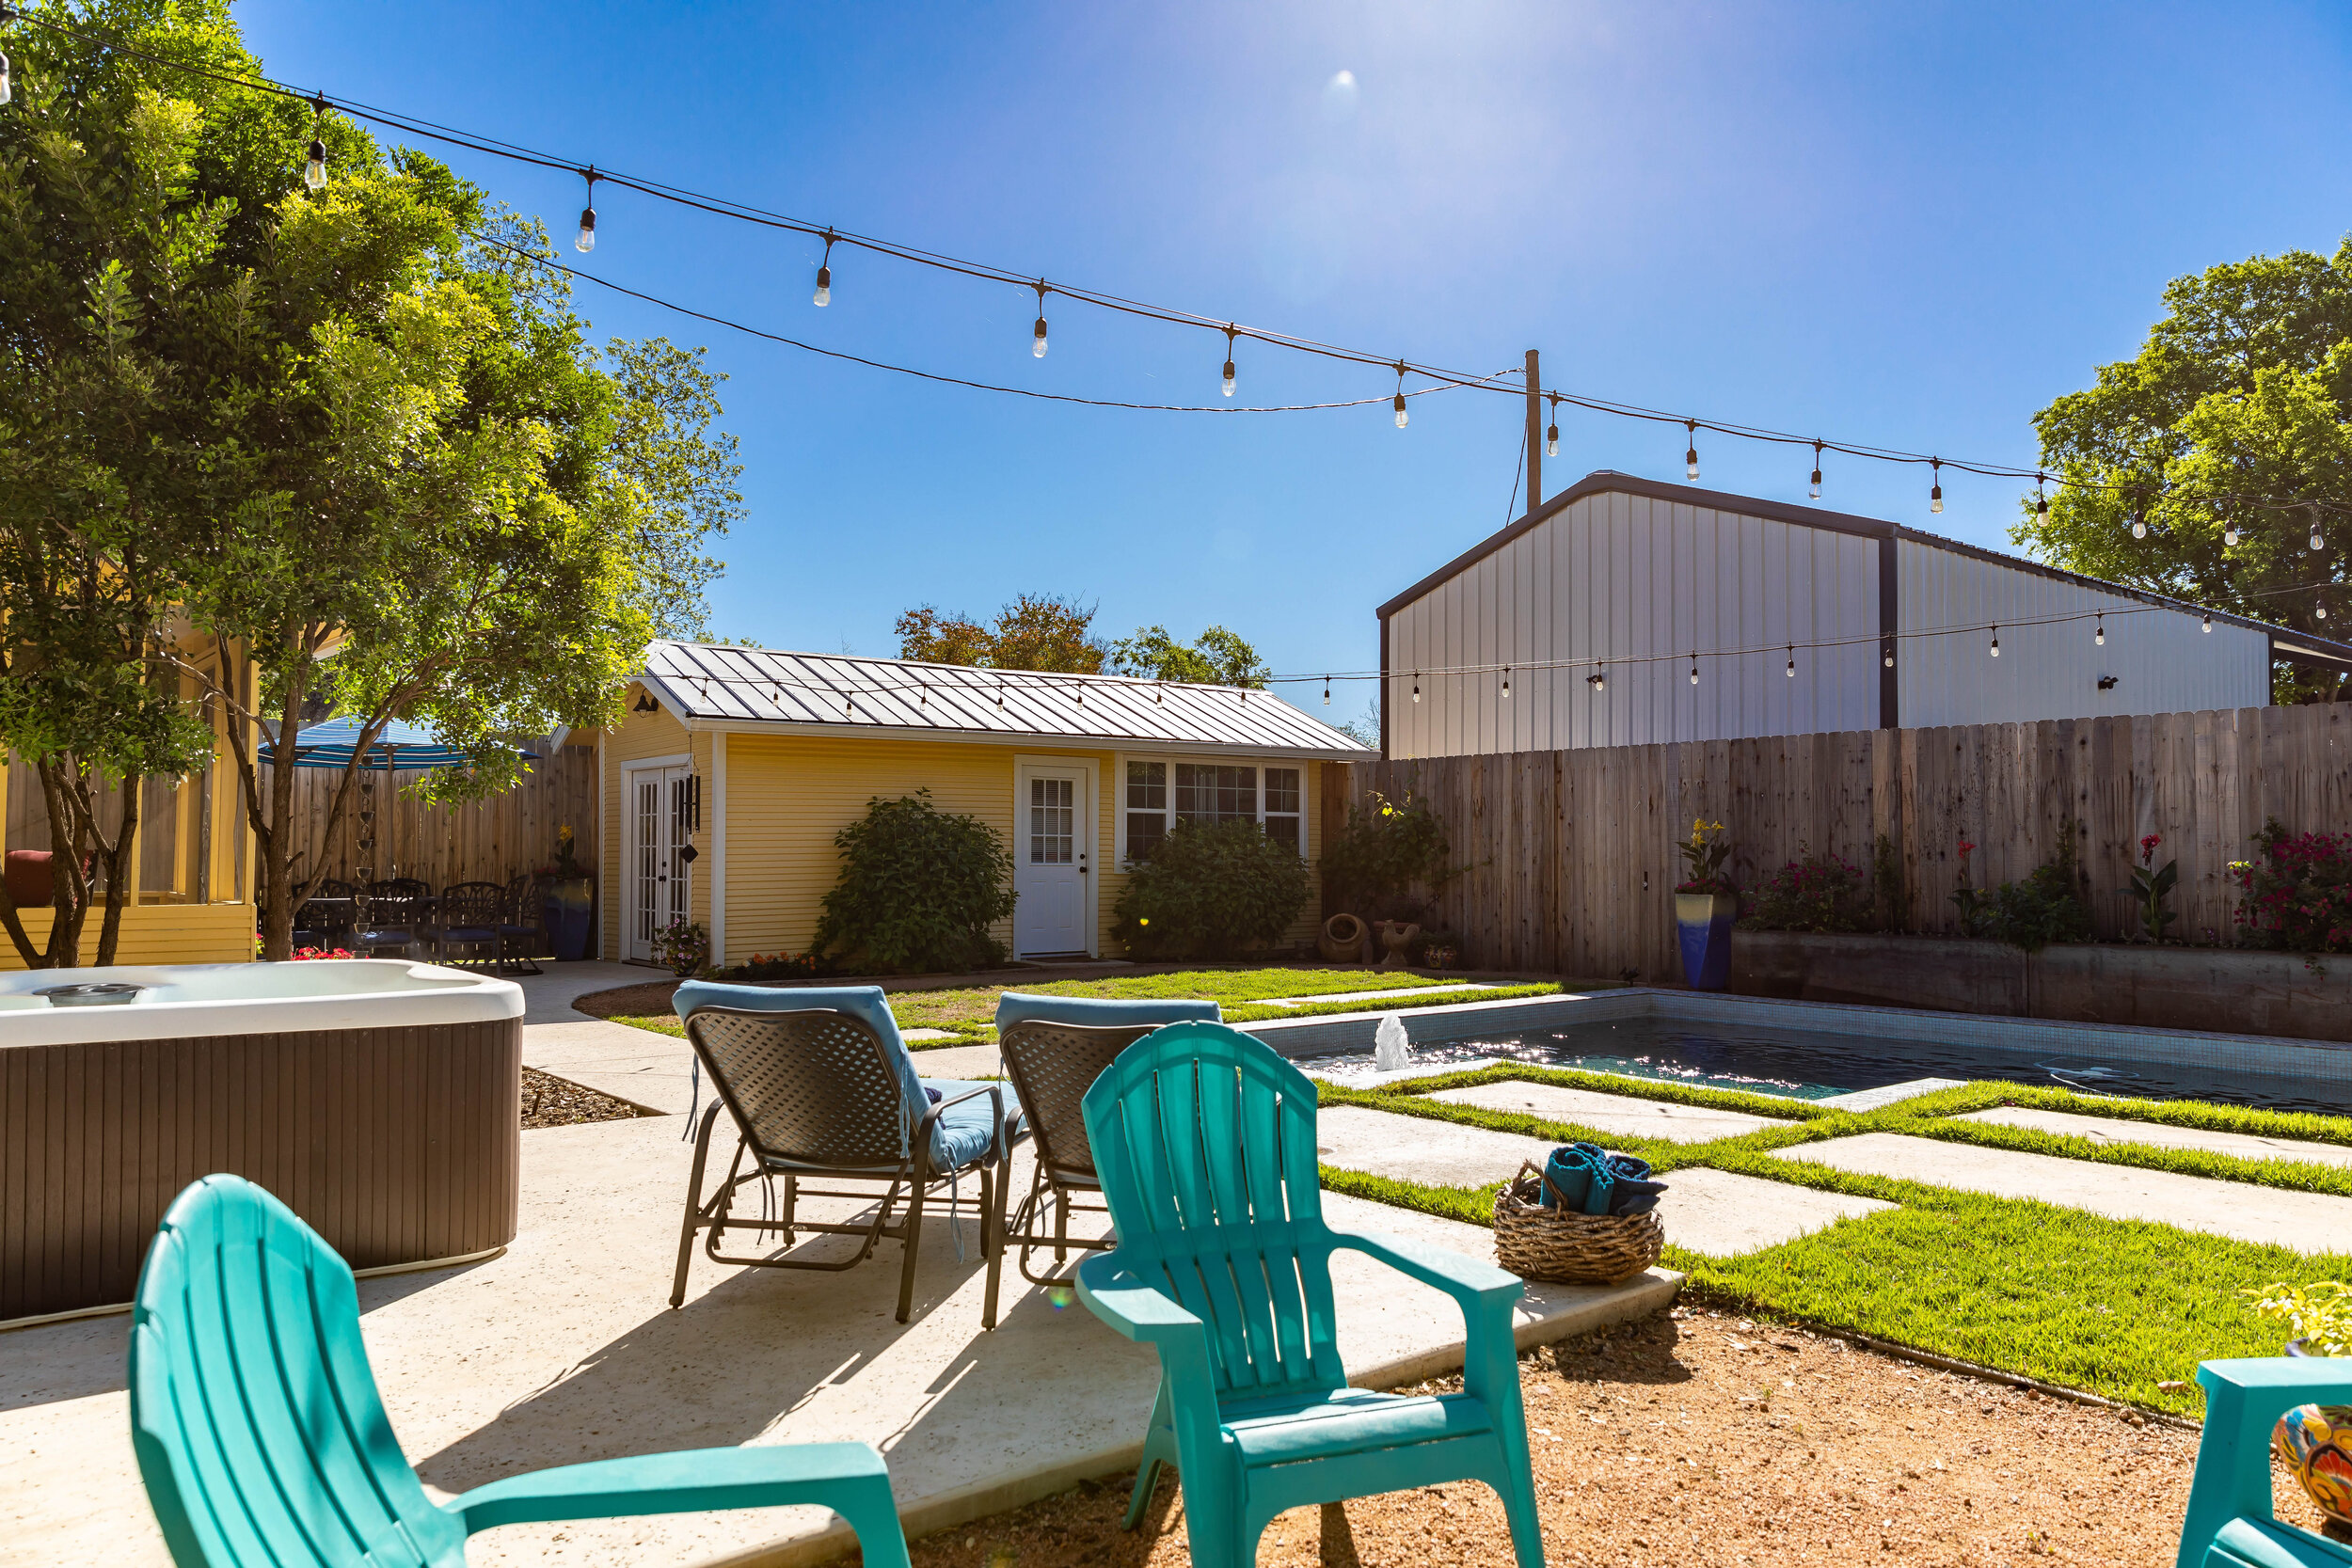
x=1581, y=624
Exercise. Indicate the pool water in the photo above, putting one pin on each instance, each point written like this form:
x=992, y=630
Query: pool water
x=1809, y=1065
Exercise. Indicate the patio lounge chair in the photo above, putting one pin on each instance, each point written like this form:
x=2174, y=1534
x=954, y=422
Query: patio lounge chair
x=820, y=1085
x=1054, y=1048
x=261, y=1437
x=1204, y=1141
x=2229, y=1523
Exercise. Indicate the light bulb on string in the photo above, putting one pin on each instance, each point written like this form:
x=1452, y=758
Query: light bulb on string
x=824, y=275
x=2040, y=500
x=1813, y=491
x=1402, y=418
x=1997, y=642
x=1694, y=667
x=586, y=241
x=1551, y=432
x=1227, y=386
x=1417, y=687
x=1598, y=679
x=1326, y=691
x=1036, y=337
x=2319, y=541
x=313, y=172
x=1936, y=492
x=1792, y=661
x=2207, y=627
x=1691, y=455
x=2099, y=631
x=2139, y=515
x=1886, y=655
x=1507, y=681
x=1157, y=698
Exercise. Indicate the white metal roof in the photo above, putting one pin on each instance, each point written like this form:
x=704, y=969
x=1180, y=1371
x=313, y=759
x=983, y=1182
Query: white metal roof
x=708, y=684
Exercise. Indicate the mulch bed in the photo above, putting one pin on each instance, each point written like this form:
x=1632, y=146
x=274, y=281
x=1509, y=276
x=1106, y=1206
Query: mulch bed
x=1699, y=1437
x=649, y=1000
x=553, y=1101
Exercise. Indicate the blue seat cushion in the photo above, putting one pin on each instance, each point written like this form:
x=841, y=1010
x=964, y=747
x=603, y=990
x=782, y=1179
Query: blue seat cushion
x=1099, y=1012
x=966, y=1133
x=1348, y=1420
x=470, y=933
x=863, y=1003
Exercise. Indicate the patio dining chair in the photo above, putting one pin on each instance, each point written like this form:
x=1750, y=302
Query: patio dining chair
x=522, y=926
x=395, y=913
x=261, y=1437
x=2230, y=1523
x=1054, y=1048
x=471, y=914
x=1204, y=1141
x=820, y=1086
x=323, y=918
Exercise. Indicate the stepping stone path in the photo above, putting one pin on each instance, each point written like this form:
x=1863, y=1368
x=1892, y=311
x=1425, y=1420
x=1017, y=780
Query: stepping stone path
x=2305, y=1222
x=2113, y=1130
x=1707, y=1211
x=1619, y=1115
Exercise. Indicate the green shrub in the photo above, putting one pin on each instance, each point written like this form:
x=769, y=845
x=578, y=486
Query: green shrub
x=1812, y=893
x=918, y=889
x=1384, y=852
x=2047, y=907
x=1209, y=891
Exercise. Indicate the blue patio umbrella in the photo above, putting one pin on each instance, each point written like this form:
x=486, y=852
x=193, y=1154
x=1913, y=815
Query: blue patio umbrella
x=331, y=743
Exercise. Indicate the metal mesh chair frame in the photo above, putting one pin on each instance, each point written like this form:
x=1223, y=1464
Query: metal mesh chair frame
x=1051, y=1066
x=828, y=1095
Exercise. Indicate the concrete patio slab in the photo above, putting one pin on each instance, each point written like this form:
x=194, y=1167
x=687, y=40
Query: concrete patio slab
x=549, y=995
x=2305, y=1222
x=1620, y=1114
x=2115, y=1129
x=563, y=1349
x=1711, y=1211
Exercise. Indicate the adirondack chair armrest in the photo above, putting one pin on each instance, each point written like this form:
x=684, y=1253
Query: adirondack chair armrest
x=682, y=1483
x=1466, y=1279
x=1135, y=1311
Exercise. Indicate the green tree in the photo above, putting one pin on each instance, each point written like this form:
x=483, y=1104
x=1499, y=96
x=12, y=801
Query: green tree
x=1037, y=631
x=2243, y=390
x=1215, y=657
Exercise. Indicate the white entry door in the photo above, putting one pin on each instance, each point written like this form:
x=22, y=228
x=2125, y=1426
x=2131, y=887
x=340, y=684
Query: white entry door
x=1054, y=820
x=658, y=887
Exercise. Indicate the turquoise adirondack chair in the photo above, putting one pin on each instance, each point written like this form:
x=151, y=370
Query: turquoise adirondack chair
x=262, y=1440
x=2229, y=1523
x=1204, y=1140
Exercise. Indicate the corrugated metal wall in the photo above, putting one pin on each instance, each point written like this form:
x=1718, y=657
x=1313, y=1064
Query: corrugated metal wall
x=2162, y=660
x=1622, y=577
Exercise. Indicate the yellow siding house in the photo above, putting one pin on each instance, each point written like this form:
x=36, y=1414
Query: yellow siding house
x=735, y=766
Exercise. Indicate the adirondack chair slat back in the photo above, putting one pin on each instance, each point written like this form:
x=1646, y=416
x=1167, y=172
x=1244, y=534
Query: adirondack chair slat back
x=1205, y=1142
x=255, y=1417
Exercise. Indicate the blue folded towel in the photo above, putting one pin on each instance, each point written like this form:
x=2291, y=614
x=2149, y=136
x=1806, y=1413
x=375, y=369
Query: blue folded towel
x=1592, y=1180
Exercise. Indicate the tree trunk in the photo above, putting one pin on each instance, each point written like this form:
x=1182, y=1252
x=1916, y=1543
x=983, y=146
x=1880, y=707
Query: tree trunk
x=119, y=855
x=70, y=818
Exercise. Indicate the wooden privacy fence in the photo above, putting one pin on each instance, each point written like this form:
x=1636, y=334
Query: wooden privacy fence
x=1568, y=859
x=484, y=841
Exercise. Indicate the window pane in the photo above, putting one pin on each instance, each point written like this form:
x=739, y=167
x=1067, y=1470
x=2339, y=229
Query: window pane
x=1281, y=789
x=1283, y=830
x=1147, y=786
x=1145, y=829
x=1053, y=821
x=1205, y=793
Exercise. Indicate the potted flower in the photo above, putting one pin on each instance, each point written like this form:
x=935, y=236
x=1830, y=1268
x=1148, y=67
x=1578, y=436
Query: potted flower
x=683, y=945
x=569, y=898
x=2311, y=1439
x=1706, y=904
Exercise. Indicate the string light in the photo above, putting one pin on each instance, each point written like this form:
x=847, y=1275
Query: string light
x=1228, y=385
x=924, y=700
x=1417, y=685
x=587, y=240
x=2099, y=632
x=2207, y=628
x=1792, y=661
x=313, y=172
x=1402, y=418
x=2318, y=543
x=1597, y=680
x=2041, y=501
x=1036, y=335
x=1551, y=432
x=1997, y=640
x=2229, y=534
x=1326, y=691
x=1157, y=696
x=1694, y=667
x=824, y=275
x=2139, y=516
x=1506, y=682
x=1936, y=492
x=1691, y=457
x=1886, y=655
x=1814, y=490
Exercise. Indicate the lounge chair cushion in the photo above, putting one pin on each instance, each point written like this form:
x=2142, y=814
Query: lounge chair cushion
x=863, y=1003
x=1014, y=1007
x=966, y=1133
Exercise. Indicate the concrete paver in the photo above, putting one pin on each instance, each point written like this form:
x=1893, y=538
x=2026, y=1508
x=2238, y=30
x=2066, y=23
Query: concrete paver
x=1722, y=1214
x=1620, y=1114
x=2305, y=1222
x=563, y=1349
x=2115, y=1129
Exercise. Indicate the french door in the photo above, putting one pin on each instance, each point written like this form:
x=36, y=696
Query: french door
x=660, y=889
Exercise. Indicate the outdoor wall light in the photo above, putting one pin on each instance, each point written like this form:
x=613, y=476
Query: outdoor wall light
x=646, y=704
x=2106, y=683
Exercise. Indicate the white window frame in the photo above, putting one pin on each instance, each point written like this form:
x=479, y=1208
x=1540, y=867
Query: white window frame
x=1118, y=789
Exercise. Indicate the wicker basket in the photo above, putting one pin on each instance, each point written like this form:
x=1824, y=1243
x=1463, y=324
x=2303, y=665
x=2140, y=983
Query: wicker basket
x=1559, y=1245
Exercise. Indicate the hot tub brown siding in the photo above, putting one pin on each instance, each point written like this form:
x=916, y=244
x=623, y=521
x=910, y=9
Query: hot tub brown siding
x=396, y=1145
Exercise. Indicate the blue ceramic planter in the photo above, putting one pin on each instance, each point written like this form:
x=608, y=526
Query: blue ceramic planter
x=568, y=902
x=1703, y=925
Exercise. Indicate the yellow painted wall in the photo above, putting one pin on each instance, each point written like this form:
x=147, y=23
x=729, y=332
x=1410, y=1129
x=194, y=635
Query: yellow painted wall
x=155, y=934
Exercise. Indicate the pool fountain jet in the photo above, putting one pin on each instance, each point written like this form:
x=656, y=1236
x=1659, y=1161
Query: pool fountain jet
x=1390, y=1051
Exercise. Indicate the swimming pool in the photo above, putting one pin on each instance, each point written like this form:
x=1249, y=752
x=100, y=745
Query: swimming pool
x=1816, y=1051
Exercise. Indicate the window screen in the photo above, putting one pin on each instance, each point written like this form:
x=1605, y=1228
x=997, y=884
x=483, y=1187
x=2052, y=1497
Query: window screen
x=1147, y=807
x=1284, y=822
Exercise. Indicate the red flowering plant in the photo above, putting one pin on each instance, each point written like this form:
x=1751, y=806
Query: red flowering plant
x=2150, y=887
x=2297, y=891
x=302, y=953
x=1812, y=893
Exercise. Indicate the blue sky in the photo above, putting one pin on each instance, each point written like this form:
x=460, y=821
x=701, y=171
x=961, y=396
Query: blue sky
x=1905, y=225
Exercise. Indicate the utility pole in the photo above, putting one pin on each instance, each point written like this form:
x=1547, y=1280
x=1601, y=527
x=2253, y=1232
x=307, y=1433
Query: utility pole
x=1534, y=435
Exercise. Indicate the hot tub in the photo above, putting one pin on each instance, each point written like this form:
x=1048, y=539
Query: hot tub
x=378, y=1097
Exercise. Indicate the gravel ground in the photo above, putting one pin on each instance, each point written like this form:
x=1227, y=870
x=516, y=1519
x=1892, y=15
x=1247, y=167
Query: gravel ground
x=1700, y=1439
x=553, y=1101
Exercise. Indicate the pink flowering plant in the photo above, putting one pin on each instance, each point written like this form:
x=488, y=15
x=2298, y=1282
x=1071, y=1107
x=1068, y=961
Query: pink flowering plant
x=2297, y=891
x=1812, y=893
